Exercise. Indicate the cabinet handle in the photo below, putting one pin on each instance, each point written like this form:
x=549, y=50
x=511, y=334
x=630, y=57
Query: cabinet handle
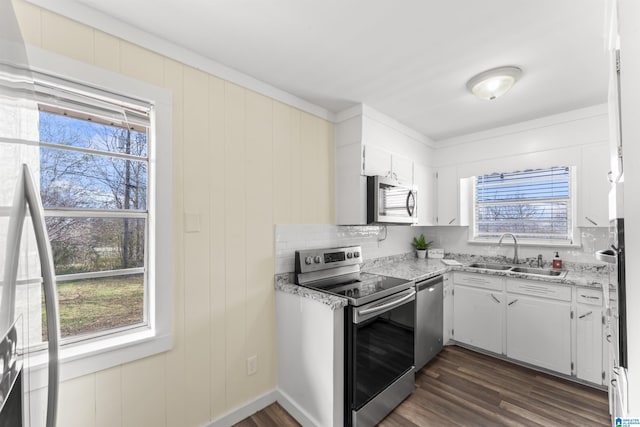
x=609, y=338
x=591, y=221
x=585, y=315
x=451, y=222
x=589, y=296
x=514, y=301
x=495, y=299
x=614, y=382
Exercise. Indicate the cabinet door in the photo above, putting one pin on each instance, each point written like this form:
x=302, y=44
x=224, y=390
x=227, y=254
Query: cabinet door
x=447, y=187
x=402, y=169
x=539, y=332
x=376, y=161
x=477, y=318
x=425, y=184
x=589, y=365
x=594, y=187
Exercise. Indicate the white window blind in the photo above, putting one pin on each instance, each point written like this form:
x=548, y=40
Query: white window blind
x=534, y=204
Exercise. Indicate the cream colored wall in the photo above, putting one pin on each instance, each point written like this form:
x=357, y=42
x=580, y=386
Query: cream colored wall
x=242, y=163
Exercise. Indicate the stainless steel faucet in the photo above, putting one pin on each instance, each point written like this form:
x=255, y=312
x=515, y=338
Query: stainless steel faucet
x=515, y=245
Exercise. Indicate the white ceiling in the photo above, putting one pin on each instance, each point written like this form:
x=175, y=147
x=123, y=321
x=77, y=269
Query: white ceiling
x=409, y=59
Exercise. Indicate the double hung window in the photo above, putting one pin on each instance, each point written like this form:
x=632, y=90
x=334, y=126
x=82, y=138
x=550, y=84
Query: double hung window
x=94, y=184
x=536, y=205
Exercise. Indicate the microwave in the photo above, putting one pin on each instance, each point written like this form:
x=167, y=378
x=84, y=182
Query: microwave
x=389, y=202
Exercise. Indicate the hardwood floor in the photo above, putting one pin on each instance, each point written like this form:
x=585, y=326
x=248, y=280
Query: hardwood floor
x=271, y=416
x=464, y=388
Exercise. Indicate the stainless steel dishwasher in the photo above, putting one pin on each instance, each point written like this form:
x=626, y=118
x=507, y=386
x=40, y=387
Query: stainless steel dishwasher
x=428, y=320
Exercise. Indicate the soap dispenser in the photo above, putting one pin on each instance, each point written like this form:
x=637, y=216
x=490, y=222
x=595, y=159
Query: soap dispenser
x=557, y=262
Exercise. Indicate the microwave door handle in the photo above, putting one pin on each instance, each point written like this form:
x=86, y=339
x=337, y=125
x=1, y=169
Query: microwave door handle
x=410, y=208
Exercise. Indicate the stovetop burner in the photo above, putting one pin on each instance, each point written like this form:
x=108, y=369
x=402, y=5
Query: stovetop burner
x=366, y=288
x=337, y=271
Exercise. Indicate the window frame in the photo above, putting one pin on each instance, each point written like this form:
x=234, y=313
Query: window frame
x=572, y=242
x=82, y=357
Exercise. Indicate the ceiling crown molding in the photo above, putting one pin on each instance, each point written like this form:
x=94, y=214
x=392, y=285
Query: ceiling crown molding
x=86, y=15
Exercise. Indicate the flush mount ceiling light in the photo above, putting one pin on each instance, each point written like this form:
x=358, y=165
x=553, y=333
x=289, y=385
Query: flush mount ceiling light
x=493, y=83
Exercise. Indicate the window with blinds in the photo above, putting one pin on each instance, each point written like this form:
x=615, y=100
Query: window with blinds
x=533, y=204
x=94, y=184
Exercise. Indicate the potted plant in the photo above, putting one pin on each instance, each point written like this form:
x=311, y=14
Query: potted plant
x=421, y=245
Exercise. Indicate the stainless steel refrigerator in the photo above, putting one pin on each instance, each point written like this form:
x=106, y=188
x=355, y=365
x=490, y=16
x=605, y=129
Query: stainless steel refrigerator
x=27, y=279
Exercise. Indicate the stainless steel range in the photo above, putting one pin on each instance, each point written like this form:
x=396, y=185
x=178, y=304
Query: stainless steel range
x=379, y=330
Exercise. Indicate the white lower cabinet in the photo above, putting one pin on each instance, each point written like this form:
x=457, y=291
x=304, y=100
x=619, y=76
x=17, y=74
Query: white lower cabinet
x=477, y=317
x=547, y=325
x=590, y=359
x=539, y=332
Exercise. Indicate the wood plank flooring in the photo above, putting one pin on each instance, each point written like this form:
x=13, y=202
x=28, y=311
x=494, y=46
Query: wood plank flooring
x=464, y=388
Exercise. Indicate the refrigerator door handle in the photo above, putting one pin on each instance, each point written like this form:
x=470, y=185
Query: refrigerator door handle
x=32, y=197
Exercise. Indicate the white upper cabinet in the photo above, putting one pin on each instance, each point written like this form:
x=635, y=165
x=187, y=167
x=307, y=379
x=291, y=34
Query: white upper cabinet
x=448, y=196
x=402, y=169
x=424, y=181
x=378, y=161
x=594, y=186
x=370, y=143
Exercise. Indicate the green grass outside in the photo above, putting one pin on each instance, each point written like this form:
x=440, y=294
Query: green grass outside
x=93, y=305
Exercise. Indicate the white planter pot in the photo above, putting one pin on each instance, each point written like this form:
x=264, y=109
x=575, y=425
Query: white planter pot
x=421, y=253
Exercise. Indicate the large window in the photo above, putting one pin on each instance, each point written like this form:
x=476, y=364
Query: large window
x=93, y=184
x=535, y=205
x=105, y=180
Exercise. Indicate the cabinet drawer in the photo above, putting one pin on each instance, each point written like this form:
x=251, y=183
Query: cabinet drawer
x=538, y=288
x=589, y=296
x=478, y=280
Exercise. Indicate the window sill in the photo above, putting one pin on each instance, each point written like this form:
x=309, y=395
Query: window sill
x=88, y=357
x=538, y=243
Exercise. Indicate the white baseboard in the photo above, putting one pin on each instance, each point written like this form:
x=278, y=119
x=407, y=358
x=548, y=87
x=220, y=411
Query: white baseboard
x=261, y=402
x=294, y=410
x=242, y=412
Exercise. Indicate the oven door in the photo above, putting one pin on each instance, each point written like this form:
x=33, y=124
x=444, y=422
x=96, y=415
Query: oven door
x=380, y=357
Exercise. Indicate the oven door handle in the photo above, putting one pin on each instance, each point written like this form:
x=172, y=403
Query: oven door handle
x=386, y=306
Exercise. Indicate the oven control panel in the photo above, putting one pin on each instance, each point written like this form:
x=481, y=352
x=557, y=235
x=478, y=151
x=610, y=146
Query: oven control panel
x=322, y=259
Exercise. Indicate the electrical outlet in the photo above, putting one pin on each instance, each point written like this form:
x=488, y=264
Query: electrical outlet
x=252, y=365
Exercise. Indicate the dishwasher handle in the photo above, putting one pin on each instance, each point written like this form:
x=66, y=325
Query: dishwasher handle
x=421, y=286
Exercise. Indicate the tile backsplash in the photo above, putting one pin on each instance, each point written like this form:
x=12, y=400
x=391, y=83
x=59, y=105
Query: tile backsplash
x=376, y=241
x=381, y=241
x=456, y=240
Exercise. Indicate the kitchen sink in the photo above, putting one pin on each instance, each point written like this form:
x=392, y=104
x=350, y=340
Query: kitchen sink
x=515, y=269
x=489, y=266
x=537, y=271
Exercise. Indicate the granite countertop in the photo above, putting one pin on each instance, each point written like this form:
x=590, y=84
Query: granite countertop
x=410, y=268
x=420, y=269
x=284, y=282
